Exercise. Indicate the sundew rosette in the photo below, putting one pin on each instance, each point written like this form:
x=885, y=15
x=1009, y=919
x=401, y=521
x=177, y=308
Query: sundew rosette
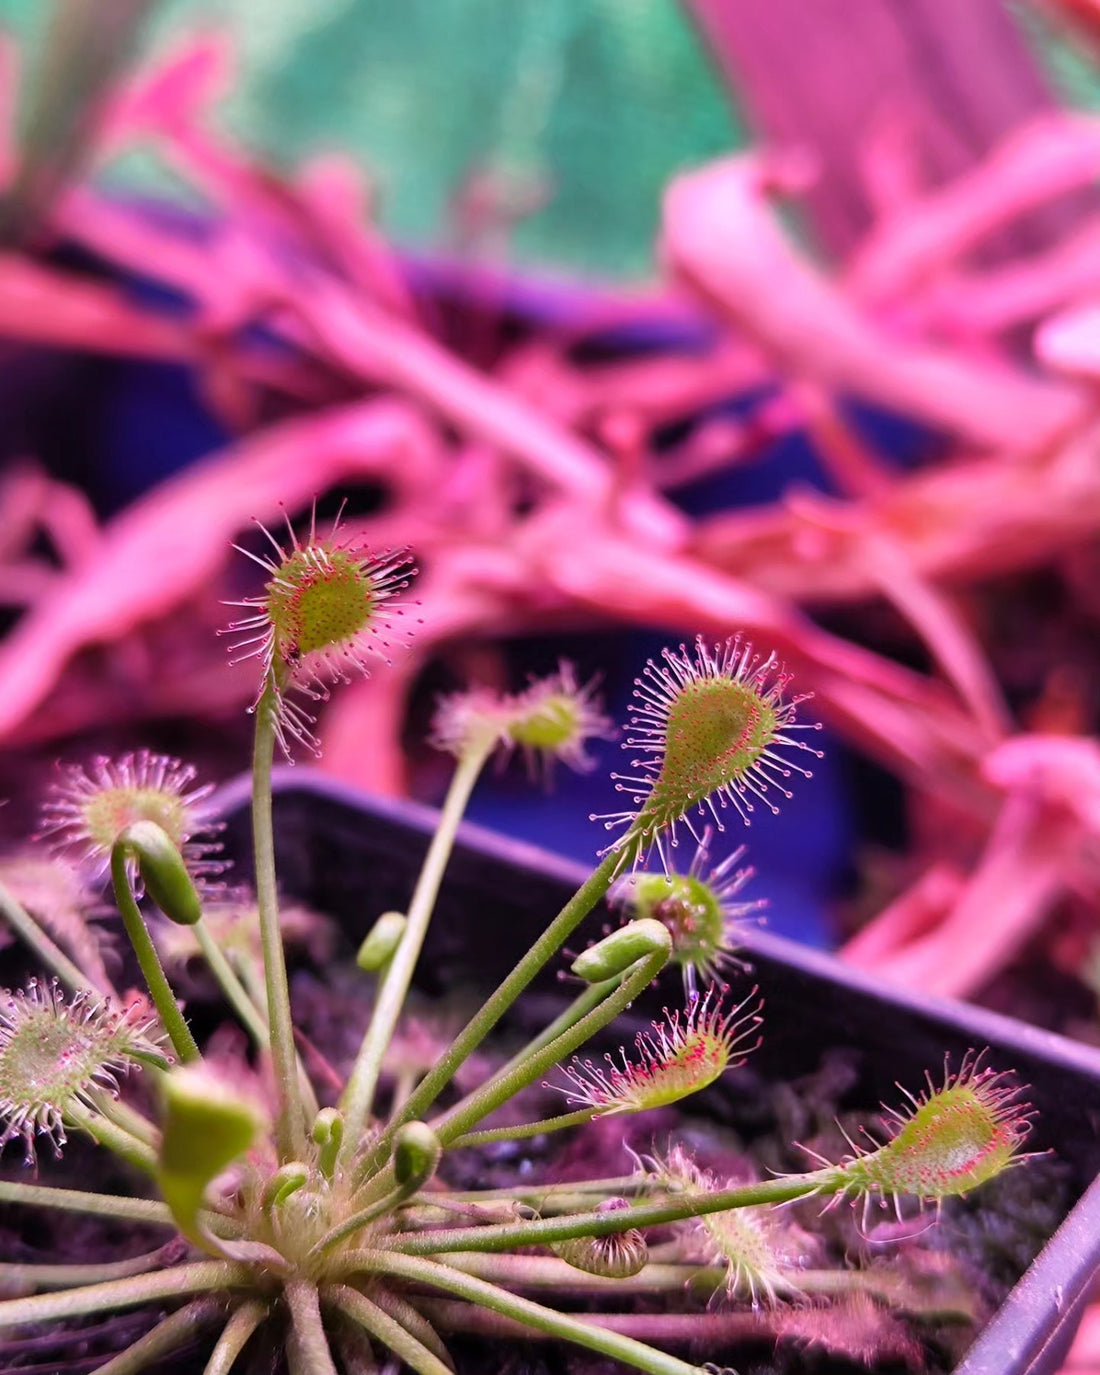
x=329, y=609
x=712, y=728
x=330, y=1206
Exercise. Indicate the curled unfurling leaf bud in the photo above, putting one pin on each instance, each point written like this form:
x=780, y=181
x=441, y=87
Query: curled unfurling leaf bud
x=328, y=1135
x=416, y=1153
x=381, y=941
x=286, y=1180
x=163, y=871
x=617, y=952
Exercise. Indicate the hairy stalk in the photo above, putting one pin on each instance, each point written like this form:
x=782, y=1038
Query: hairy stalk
x=290, y=1127
x=164, y=1000
x=403, y=1085
x=712, y=1331
x=150, y=1059
x=97, y=1205
x=47, y=950
x=235, y=992
x=358, y=1097
x=550, y=1193
x=590, y=997
x=890, y=1288
x=525, y=1129
x=241, y=1000
x=547, y=1272
x=532, y=1315
x=498, y=1205
x=309, y=1330
x=585, y=1001
x=234, y=1336
x=482, y=1102
x=251, y=976
x=425, y=1215
x=413, y=1321
x=126, y=1117
x=17, y=1276
x=197, y=1278
x=169, y=1335
x=243, y=1249
x=505, y=1236
x=479, y=1026
x=354, y=1350
x=391, y=1333
x=144, y=1210
x=116, y=1139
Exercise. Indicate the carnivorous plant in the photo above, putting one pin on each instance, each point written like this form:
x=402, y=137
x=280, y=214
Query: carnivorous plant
x=330, y=1214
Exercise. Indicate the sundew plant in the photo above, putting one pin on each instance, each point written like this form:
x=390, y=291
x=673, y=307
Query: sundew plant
x=328, y=1215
